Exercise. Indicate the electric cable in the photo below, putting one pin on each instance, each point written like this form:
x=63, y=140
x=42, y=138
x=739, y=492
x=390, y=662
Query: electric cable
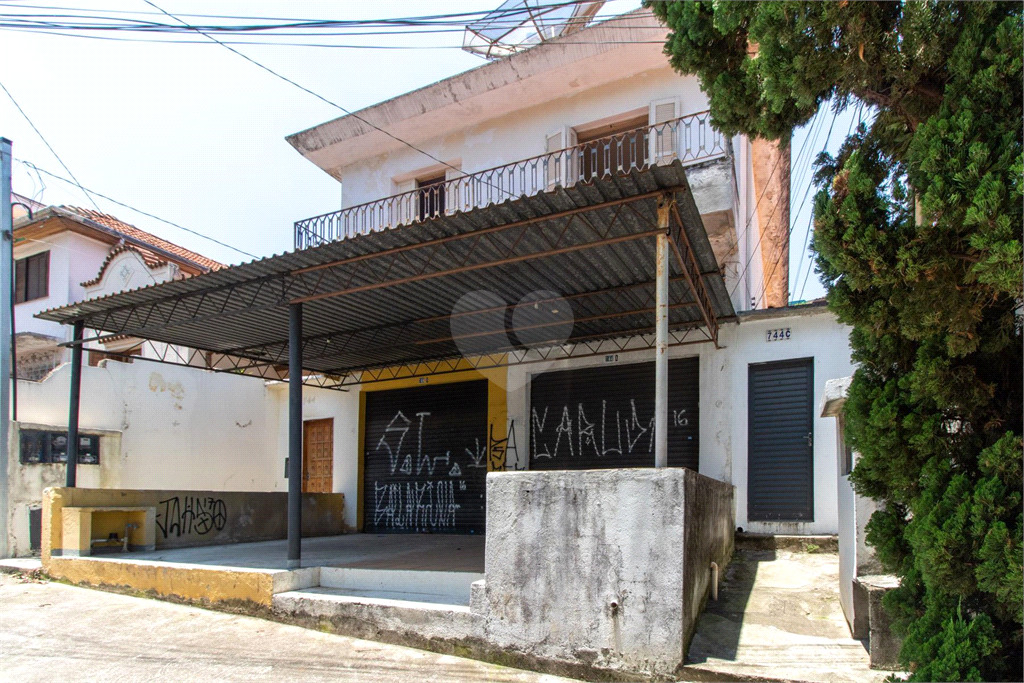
x=29, y=164
x=48, y=145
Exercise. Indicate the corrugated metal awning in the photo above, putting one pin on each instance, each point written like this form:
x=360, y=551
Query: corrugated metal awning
x=387, y=298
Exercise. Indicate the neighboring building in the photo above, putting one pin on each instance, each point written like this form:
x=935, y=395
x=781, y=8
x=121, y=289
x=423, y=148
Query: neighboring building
x=65, y=254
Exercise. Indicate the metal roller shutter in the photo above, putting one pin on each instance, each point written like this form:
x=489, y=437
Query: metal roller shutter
x=781, y=442
x=603, y=417
x=425, y=459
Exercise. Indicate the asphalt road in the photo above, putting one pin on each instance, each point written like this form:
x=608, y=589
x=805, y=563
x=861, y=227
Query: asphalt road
x=52, y=632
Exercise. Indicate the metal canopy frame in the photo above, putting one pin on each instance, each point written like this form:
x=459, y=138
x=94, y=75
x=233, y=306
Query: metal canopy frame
x=379, y=306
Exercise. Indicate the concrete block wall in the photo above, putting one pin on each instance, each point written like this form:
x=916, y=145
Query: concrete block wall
x=195, y=518
x=579, y=565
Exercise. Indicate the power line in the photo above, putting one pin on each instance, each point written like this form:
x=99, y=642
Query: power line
x=29, y=164
x=750, y=217
x=317, y=95
x=499, y=18
x=807, y=189
x=49, y=146
x=340, y=46
x=810, y=265
x=750, y=256
x=792, y=225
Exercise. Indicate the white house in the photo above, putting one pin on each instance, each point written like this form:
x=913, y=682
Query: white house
x=546, y=264
x=742, y=413
x=585, y=124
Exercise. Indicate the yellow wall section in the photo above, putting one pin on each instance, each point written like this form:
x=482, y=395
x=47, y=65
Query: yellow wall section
x=497, y=411
x=185, y=582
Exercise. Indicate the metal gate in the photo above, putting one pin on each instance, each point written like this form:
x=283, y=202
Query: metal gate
x=780, y=475
x=603, y=417
x=425, y=459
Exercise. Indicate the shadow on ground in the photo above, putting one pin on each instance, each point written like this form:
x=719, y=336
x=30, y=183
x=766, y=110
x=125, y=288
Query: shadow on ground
x=778, y=617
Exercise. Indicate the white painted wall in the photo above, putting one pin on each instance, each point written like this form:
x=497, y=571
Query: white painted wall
x=521, y=135
x=127, y=271
x=723, y=403
x=343, y=407
x=174, y=427
x=816, y=336
x=181, y=428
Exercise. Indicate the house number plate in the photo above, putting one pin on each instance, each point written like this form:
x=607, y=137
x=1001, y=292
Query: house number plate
x=780, y=334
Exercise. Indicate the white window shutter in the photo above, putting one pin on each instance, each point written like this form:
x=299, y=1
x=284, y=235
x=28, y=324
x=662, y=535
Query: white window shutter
x=456, y=192
x=664, y=136
x=572, y=160
x=552, y=144
x=404, y=208
x=561, y=165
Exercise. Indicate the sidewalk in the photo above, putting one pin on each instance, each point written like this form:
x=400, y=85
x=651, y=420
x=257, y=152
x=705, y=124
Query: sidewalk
x=53, y=632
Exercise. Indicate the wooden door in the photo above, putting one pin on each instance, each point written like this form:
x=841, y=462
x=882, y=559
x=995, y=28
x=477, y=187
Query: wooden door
x=318, y=456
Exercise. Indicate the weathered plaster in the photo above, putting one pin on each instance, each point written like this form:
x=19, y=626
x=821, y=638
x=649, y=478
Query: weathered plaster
x=582, y=565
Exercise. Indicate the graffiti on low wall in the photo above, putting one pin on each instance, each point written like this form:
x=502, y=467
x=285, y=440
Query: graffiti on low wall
x=190, y=515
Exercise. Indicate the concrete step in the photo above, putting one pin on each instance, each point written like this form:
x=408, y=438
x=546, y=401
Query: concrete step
x=413, y=618
x=452, y=588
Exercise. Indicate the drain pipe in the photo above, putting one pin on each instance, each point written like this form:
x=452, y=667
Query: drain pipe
x=714, y=581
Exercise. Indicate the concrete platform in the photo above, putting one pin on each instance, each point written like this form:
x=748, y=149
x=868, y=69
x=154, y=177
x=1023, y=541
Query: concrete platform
x=401, y=617
x=436, y=569
x=422, y=552
x=778, y=618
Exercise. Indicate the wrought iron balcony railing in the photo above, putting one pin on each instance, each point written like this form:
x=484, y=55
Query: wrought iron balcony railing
x=690, y=139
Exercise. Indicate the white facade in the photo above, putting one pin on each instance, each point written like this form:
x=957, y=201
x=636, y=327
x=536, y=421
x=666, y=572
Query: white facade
x=74, y=259
x=187, y=428
x=511, y=110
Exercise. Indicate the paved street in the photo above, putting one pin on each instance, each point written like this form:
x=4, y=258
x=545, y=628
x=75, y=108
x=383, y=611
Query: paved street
x=52, y=632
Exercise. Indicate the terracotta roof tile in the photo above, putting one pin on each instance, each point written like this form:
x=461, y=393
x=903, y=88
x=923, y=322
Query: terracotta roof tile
x=131, y=231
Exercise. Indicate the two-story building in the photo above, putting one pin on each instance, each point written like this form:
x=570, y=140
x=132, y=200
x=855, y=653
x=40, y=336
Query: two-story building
x=486, y=298
x=548, y=264
x=605, y=106
x=64, y=254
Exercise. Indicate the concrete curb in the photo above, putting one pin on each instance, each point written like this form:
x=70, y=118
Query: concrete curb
x=798, y=544
x=32, y=566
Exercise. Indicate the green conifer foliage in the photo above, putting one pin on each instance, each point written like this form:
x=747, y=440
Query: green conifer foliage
x=917, y=236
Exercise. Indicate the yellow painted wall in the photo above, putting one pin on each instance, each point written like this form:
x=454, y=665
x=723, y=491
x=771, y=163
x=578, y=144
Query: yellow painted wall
x=497, y=409
x=185, y=582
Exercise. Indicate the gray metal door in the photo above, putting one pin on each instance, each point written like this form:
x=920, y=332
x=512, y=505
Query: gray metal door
x=425, y=459
x=780, y=463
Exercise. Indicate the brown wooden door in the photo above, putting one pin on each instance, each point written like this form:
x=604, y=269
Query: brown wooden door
x=318, y=456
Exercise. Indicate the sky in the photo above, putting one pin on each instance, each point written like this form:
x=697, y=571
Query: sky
x=194, y=134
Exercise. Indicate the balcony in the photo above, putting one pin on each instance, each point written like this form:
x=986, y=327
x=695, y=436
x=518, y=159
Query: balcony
x=689, y=139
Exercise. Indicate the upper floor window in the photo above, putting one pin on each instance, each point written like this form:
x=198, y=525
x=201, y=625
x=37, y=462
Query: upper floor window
x=611, y=148
x=431, y=197
x=120, y=356
x=32, y=277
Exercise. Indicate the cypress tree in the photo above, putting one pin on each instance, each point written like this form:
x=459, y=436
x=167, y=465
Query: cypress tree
x=917, y=239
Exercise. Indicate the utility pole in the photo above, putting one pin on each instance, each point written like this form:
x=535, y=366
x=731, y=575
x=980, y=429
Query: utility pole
x=6, y=361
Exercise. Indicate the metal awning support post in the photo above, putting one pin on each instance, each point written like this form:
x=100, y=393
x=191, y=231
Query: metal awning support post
x=294, y=436
x=661, y=339
x=74, y=400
